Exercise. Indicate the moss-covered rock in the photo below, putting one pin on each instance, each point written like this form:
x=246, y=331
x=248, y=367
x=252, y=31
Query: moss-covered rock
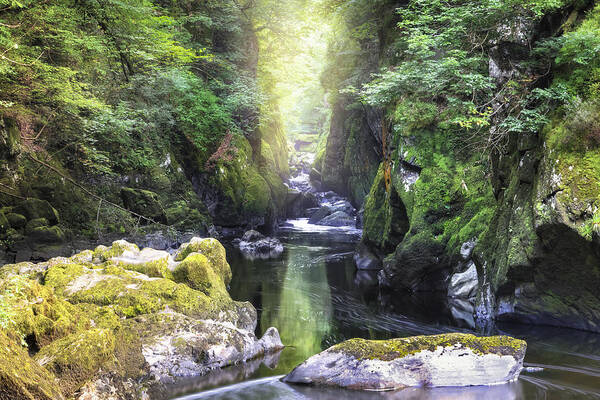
x=4, y=224
x=93, y=321
x=213, y=250
x=22, y=378
x=36, y=223
x=16, y=221
x=76, y=358
x=451, y=359
x=197, y=272
x=385, y=218
x=10, y=138
x=117, y=249
x=46, y=235
x=36, y=208
x=143, y=202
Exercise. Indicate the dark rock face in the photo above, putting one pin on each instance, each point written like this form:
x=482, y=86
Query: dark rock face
x=143, y=202
x=365, y=259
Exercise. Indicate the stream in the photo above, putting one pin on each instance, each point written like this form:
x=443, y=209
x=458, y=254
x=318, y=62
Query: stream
x=313, y=294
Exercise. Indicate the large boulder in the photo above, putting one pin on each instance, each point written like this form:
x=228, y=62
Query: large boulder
x=452, y=359
x=118, y=321
x=36, y=208
x=213, y=250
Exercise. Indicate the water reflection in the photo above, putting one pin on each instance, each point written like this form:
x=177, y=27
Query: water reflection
x=315, y=297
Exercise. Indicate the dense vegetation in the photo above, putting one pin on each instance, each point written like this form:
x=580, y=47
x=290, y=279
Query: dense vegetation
x=153, y=95
x=476, y=122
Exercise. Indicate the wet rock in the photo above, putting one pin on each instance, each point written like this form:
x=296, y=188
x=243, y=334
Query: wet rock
x=464, y=284
x=338, y=219
x=365, y=259
x=344, y=206
x=318, y=215
x=298, y=202
x=451, y=359
x=255, y=245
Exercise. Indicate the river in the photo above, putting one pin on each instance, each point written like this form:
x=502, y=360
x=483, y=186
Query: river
x=314, y=296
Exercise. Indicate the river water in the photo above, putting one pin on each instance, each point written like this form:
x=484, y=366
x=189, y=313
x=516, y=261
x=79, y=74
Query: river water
x=314, y=296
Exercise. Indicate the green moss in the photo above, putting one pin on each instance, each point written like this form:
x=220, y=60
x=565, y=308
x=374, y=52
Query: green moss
x=16, y=221
x=31, y=310
x=385, y=219
x=36, y=223
x=36, y=208
x=21, y=378
x=213, y=250
x=388, y=350
x=197, y=272
x=78, y=357
x=117, y=249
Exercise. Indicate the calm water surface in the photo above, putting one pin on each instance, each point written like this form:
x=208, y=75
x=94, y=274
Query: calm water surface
x=314, y=296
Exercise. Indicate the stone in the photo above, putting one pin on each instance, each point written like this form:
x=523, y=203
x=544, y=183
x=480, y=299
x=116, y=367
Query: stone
x=36, y=223
x=452, y=359
x=213, y=250
x=46, y=234
x=252, y=236
x=365, y=259
x=143, y=202
x=16, y=221
x=344, y=206
x=36, y=208
x=464, y=284
x=338, y=219
x=255, y=245
x=318, y=215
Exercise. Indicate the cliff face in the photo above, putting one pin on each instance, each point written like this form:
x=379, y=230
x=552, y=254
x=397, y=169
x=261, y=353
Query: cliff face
x=108, y=129
x=508, y=230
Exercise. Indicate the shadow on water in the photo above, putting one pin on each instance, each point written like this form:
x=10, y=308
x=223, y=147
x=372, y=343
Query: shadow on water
x=315, y=297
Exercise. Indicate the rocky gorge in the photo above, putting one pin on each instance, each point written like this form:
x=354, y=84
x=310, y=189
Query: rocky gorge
x=369, y=183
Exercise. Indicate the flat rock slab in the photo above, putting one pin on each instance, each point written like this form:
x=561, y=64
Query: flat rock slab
x=452, y=359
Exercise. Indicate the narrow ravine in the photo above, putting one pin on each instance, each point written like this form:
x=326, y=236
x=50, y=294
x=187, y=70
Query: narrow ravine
x=316, y=298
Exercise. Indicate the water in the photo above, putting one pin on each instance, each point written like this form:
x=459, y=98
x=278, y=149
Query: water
x=313, y=295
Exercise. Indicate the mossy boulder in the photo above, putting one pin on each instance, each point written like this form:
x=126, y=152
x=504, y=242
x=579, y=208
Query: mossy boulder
x=36, y=223
x=143, y=202
x=36, y=208
x=117, y=249
x=92, y=322
x=22, y=378
x=46, y=235
x=452, y=359
x=213, y=250
x=197, y=272
x=16, y=221
x=76, y=358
